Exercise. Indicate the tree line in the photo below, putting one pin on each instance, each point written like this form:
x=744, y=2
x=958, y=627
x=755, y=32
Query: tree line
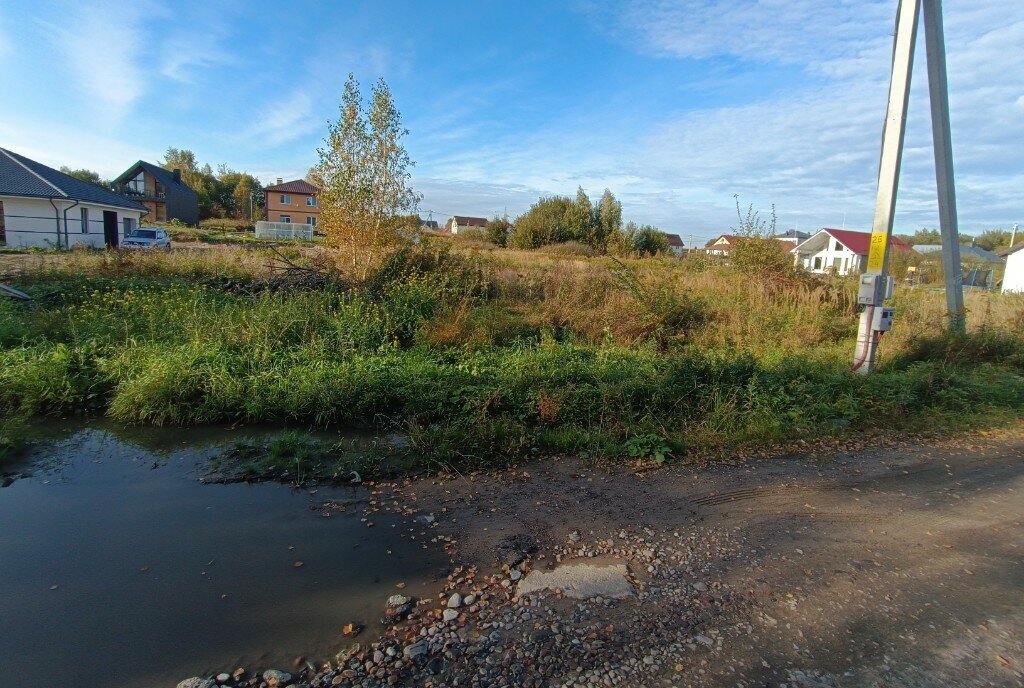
x=225, y=193
x=990, y=239
x=561, y=219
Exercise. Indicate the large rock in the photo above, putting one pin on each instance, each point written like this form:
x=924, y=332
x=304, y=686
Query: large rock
x=275, y=678
x=580, y=581
x=196, y=682
x=415, y=650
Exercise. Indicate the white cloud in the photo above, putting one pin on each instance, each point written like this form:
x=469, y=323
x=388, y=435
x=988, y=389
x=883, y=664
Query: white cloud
x=194, y=43
x=284, y=119
x=811, y=148
x=65, y=145
x=102, y=46
x=184, y=56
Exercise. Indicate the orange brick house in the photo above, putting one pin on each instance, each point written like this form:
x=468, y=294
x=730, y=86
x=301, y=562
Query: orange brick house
x=293, y=202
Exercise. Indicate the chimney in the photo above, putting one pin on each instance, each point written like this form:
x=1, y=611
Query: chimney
x=280, y=181
x=177, y=176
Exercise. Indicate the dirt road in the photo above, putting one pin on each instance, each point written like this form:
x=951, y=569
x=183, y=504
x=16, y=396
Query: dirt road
x=897, y=566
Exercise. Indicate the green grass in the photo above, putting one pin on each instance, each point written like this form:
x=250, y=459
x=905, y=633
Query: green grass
x=301, y=458
x=438, y=349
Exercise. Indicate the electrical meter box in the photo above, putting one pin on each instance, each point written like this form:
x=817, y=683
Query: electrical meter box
x=874, y=290
x=882, y=320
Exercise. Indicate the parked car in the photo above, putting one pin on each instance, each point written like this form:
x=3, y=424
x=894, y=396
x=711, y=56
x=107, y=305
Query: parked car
x=148, y=238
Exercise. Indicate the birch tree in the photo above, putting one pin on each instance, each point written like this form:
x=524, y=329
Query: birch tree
x=363, y=175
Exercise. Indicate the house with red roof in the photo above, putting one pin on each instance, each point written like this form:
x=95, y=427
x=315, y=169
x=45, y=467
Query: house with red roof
x=839, y=251
x=722, y=246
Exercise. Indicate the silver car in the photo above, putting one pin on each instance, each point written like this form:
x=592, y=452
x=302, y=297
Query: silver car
x=148, y=238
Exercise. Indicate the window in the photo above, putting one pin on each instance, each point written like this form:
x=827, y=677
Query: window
x=285, y=218
x=311, y=221
x=286, y=199
x=138, y=183
x=311, y=200
x=817, y=263
x=128, y=225
x=85, y=220
x=3, y=227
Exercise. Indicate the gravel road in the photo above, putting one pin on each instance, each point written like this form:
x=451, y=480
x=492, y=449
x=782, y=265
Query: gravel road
x=897, y=565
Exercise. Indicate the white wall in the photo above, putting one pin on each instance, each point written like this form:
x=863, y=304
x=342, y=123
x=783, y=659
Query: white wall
x=1013, y=278
x=848, y=261
x=32, y=222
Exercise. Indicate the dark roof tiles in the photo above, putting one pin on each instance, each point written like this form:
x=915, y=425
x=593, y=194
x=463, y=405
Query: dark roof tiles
x=20, y=176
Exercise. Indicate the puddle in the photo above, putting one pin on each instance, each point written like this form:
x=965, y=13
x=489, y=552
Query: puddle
x=159, y=577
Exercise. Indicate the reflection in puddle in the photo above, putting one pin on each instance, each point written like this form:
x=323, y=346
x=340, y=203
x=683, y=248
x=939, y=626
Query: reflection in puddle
x=119, y=568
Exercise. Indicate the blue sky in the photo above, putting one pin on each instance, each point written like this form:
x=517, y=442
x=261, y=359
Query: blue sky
x=674, y=105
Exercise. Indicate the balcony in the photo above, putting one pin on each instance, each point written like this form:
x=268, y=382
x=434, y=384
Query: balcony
x=148, y=194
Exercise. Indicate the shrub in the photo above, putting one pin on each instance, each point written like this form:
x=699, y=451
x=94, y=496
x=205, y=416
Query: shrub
x=225, y=224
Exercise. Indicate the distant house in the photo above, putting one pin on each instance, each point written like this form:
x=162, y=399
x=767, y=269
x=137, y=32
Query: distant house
x=292, y=202
x=429, y=225
x=675, y=243
x=41, y=207
x=460, y=223
x=722, y=246
x=1013, y=277
x=968, y=253
x=162, y=191
x=839, y=251
x=793, y=237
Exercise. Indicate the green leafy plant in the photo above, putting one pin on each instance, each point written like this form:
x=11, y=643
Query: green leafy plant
x=650, y=446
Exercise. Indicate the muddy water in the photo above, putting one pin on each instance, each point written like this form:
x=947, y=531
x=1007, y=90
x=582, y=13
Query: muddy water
x=119, y=568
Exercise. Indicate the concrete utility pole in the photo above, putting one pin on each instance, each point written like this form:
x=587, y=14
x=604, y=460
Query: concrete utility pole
x=942, y=139
x=875, y=284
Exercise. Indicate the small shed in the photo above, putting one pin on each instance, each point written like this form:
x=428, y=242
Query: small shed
x=1013, y=277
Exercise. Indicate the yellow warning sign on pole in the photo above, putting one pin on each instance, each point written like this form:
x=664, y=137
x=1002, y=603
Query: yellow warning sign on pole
x=876, y=255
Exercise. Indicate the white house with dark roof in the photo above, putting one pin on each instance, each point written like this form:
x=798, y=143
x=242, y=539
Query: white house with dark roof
x=460, y=223
x=41, y=207
x=675, y=243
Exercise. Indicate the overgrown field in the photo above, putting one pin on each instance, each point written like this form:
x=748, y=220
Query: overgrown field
x=486, y=357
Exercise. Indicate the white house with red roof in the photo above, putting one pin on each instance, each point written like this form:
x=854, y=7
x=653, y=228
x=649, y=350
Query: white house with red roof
x=839, y=251
x=722, y=246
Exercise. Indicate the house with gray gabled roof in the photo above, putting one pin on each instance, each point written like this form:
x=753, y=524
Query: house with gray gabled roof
x=162, y=191
x=41, y=207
